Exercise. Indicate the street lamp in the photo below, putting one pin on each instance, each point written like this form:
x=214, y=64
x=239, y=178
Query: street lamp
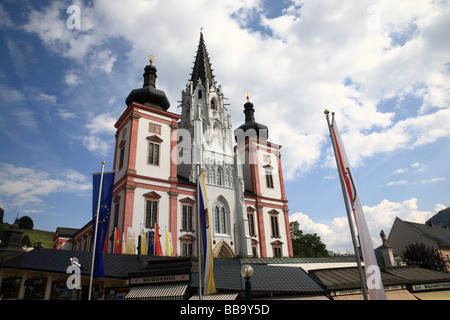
x=247, y=273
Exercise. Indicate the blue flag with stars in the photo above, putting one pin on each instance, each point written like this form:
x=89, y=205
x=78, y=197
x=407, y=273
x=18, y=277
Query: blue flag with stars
x=103, y=218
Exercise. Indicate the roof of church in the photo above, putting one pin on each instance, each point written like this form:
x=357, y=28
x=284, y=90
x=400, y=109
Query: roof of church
x=439, y=234
x=202, y=66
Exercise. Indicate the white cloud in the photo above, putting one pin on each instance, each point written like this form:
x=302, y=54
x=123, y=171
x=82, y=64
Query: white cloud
x=96, y=145
x=99, y=127
x=432, y=180
x=102, y=124
x=336, y=234
x=51, y=99
x=400, y=171
x=9, y=94
x=415, y=165
x=5, y=20
x=321, y=55
x=395, y=183
x=71, y=78
x=83, y=45
x=423, y=181
x=24, y=188
x=65, y=115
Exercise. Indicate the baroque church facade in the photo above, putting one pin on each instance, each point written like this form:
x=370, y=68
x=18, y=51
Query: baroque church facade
x=158, y=155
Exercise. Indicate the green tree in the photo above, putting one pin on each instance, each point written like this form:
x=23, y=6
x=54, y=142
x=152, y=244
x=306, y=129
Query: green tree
x=306, y=245
x=426, y=257
x=26, y=241
x=25, y=222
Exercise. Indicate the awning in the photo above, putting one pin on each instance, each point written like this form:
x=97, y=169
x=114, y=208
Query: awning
x=216, y=296
x=390, y=295
x=167, y=291
x=433, y=295
x=298, y=297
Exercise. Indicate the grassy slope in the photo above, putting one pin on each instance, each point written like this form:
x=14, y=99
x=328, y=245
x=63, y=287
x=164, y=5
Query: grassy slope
x=44, y=237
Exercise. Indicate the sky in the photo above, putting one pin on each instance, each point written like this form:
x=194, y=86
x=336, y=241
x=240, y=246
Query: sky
x=382, y=66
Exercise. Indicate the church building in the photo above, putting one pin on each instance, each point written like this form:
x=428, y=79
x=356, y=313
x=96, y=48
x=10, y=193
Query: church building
x=158, y=155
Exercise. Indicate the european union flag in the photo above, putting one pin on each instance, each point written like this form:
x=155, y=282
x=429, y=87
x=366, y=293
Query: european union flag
x=103, y=218
x=150, y=250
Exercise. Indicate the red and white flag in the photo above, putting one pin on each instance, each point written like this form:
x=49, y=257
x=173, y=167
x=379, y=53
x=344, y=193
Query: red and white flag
x=117, y=241
x=372, y=270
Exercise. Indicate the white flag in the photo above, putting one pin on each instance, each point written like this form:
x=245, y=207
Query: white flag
x=372, y=270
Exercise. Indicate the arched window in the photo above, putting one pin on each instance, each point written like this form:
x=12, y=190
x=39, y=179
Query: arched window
x=213, y=104
x=217, y=219
x=199, y=94
x=219, y=177
x=223, y=222
x=221, y=217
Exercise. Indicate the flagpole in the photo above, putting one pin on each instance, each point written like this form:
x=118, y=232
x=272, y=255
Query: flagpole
x=199, y=236
x=95, y=230
x=349, y=216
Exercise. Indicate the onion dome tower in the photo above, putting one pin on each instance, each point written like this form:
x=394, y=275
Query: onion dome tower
x=251, y=127
x=148, y=95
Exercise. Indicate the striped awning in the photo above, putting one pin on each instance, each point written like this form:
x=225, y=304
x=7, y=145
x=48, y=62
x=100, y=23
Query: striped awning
x=433, y=295
x=390, y=295
x=166, y=291
x=298, y=297
x=216, y=296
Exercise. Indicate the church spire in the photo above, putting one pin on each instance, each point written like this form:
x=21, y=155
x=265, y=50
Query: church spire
x=202, y=67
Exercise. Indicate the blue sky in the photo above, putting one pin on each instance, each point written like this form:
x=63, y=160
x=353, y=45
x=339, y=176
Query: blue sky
x=382, y=66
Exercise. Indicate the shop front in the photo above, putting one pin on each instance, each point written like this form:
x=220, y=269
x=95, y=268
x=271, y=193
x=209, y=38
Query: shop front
x=29, y=285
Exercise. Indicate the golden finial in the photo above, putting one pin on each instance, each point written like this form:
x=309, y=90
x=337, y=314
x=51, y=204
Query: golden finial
x=247, y=95
x=151, y=58
x=326, y=111
x=201, y=30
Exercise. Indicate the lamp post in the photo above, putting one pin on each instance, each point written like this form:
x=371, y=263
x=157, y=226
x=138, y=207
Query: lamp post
x=247, y=274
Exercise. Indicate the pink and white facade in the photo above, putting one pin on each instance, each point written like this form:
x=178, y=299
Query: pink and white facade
x=158, y=153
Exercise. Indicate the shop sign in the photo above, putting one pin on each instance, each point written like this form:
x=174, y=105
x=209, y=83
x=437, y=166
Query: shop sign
x=160, y=279
x=431, y=286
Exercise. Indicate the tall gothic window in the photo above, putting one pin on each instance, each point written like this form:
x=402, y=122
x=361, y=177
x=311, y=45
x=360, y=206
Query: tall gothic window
x=217, y=219
x=251, y=223
x=223, y=220
x=220, y=219
x=219, y=177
